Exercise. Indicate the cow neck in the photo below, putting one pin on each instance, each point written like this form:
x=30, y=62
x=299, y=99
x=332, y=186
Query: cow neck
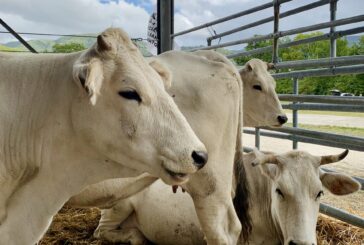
x=263, y=223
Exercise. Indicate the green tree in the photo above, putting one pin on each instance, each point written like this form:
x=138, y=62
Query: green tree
x=358, y=48
x=68, y=47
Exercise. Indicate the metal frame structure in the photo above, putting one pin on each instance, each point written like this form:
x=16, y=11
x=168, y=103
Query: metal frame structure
x=331, y=66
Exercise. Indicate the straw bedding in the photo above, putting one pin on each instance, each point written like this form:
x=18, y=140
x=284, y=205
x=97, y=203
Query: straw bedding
x=73, y=226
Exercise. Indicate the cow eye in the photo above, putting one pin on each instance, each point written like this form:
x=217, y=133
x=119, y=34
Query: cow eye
x=130, y=95
x=320, y=194
x=257, y=87
x=279, y=192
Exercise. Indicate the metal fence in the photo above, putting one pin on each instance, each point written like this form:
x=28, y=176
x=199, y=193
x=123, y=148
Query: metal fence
x=331, y=66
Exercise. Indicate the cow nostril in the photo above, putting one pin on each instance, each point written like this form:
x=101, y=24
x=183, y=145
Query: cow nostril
x=292, y=243
x=282, y=119
x=199, y=158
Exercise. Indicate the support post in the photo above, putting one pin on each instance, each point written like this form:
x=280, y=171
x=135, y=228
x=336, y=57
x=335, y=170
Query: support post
x=257, y=138
x=333, y=8
x=208, y=41
x=275, y=30
x=165, y=11
x=295, y=113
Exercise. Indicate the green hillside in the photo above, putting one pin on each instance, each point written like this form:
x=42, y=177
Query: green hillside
x=46, y=45
x=6, y=48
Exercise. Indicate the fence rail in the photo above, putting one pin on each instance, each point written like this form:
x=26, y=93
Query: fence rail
x=331, y=66
x=278, y=34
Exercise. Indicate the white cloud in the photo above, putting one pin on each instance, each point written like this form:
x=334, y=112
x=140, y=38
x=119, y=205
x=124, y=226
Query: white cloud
x=73, y=17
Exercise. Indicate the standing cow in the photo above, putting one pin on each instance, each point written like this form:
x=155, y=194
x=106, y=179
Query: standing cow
x=71, y=120
x=206, y=89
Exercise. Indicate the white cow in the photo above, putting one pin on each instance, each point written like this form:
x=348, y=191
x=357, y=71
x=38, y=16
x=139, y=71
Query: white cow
x=205, y=87
x=282, y=196
x=71, y=120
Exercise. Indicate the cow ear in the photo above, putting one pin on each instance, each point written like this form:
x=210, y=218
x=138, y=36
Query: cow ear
x=165, y=74
x=103, y=43
x=339, y=184
x=89, y=77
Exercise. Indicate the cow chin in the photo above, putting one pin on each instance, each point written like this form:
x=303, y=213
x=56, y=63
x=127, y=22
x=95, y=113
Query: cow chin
x=172, y=177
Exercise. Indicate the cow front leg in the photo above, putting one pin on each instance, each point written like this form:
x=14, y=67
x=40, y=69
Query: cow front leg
x=218, y=219
x=109, y=225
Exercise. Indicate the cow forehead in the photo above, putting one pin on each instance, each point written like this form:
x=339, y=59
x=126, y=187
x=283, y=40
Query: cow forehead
x=299, y=172
x=261, y=73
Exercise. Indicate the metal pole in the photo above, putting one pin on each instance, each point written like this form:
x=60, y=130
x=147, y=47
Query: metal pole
x=333, y=8
x=319, y=26
x=209, y=42
x=257, y=138
x=295, y=113
x=16, y=35
x=342, y=215
x=165, y=25
x=275, y=31
x=230, y=17
x=271, y=18
x=325, y=36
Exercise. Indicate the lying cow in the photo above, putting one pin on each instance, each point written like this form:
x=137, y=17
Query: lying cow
x=71, y=120
x=210, y=77
x=284, y=203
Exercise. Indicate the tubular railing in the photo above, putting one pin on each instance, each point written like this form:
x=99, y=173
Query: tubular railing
x=331, y=66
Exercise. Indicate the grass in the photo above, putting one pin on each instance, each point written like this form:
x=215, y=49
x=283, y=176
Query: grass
x=359, y=132
x=334, y=113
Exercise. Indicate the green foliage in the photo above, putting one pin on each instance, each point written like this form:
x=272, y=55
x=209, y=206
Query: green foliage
x=68, y=47
x=5, y=48
x=321, y=49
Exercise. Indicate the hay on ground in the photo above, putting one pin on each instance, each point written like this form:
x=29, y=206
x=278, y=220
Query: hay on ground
x=73, y=226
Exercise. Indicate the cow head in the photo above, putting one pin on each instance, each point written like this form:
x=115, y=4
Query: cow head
x=124, y=112
x=261, y=103
x=297, y=183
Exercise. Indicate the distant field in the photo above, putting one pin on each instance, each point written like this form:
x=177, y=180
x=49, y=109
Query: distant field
x=359, y=132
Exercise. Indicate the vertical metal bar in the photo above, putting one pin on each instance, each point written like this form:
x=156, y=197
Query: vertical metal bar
x=295, y=113
x=172, y=24
x=165, y=12
x=16, y=35
x=158, y=27
x=257, y=138
x=275, y=30
x=208, y=42
x=333, y=8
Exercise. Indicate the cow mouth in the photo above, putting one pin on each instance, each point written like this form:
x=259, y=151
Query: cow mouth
x=179, y=177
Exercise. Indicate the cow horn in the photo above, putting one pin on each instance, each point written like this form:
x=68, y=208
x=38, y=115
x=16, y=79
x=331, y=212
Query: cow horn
x=333, y=158
x=261, y=158
x=103, y=45
x=270, y=66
